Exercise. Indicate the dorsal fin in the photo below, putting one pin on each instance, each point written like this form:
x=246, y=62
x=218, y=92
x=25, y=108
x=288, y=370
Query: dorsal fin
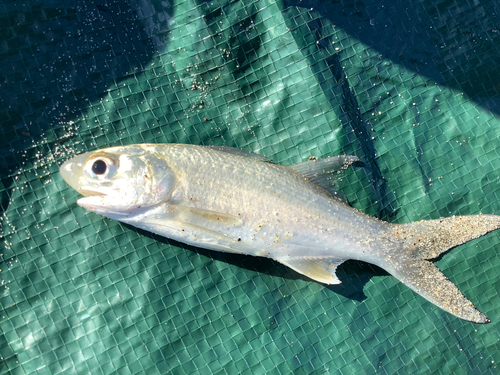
x=325, y=172
x=240, y=152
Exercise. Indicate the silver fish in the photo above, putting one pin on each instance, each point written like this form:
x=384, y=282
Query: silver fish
x=230, y=200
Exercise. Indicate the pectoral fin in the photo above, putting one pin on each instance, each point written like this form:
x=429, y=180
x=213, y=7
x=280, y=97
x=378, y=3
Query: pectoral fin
x=195, y=235
x=319, y=269
x=200, y=217
x=194, y=226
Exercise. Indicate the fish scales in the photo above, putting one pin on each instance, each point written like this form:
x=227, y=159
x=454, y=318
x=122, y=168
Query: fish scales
x=239, y=186
x=230, y=200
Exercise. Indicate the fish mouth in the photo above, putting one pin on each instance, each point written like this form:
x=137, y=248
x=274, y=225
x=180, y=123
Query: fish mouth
x=97, y=203
x=89, y=191
x=105, y=205
x=94, y=199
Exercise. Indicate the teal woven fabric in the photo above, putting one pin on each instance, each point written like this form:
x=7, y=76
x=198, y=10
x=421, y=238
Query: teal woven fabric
x=412, y=88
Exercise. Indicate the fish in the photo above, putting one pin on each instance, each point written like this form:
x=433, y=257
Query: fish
x=231, y=200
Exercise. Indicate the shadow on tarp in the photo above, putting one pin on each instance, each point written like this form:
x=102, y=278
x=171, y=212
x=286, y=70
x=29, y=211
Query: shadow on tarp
x=455, y=45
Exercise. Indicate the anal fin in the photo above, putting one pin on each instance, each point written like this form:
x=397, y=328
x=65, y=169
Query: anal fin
x=318, y=269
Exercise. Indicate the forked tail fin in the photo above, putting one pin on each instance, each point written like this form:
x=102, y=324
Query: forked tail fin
x=427, y=240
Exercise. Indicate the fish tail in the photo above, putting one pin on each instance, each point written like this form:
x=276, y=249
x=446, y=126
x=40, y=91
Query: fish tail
x=425, y=240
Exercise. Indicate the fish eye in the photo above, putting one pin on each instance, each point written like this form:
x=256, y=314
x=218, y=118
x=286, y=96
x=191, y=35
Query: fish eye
x=100, y=167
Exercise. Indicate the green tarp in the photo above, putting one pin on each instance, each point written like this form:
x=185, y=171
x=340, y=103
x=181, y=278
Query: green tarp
x=412, y=88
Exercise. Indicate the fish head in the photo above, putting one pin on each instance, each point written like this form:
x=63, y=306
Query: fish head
x=119, y=182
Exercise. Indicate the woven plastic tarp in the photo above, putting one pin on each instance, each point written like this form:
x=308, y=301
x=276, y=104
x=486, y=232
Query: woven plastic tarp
x=411, y=87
